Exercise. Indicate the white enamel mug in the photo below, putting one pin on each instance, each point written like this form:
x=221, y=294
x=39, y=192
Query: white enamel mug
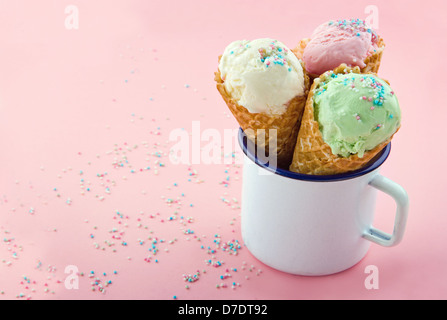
x=314, y=225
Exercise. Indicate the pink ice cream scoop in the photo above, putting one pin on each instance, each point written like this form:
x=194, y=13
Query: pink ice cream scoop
x=336, y=42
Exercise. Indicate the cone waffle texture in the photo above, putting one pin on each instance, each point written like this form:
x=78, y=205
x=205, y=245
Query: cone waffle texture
x=299, y=49
x=372, y=62
x=287, y=124
x=314, y=156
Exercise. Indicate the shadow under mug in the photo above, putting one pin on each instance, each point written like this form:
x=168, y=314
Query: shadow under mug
x=314, y=225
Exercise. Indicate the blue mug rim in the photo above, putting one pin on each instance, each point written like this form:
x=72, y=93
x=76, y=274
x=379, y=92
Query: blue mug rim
x=380, y=159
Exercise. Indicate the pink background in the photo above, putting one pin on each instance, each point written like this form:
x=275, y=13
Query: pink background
x=93, y=108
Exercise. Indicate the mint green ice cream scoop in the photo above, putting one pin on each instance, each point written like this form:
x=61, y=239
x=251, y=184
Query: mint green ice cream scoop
x=355, y=112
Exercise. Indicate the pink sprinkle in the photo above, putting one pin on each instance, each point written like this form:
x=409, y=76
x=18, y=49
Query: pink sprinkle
x=370, y=99
x=364, y=97
x=372, y=108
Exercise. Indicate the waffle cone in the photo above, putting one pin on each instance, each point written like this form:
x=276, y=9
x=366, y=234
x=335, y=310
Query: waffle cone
x=299, y=49
x=286, y=125
x=314, y=156
x=372, y=63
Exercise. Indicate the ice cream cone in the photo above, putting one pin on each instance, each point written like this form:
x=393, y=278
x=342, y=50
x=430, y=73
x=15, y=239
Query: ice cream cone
x=331, y=44
x=286, y=124
x=314, y=156
x=372, y=62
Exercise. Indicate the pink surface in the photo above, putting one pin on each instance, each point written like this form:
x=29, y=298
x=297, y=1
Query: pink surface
x=84, y=112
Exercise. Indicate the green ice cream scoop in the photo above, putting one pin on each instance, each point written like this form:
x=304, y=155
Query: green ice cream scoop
x=355, y=112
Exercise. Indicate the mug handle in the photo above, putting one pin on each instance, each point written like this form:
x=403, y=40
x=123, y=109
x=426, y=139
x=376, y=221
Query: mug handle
x=400, y=196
